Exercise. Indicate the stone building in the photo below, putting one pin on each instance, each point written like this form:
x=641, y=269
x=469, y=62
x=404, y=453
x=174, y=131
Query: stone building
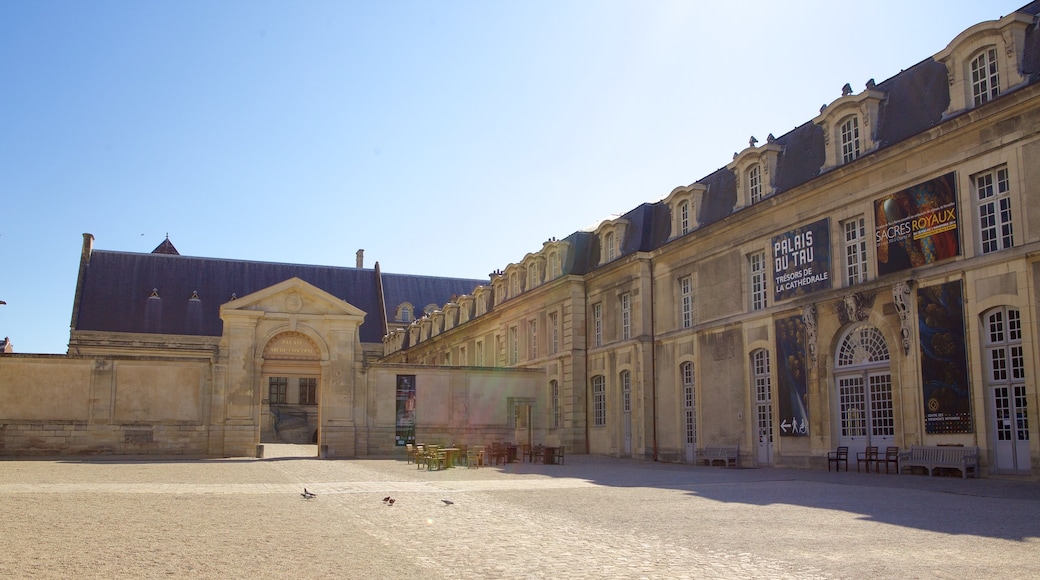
x=868, y=278
x=871, y=277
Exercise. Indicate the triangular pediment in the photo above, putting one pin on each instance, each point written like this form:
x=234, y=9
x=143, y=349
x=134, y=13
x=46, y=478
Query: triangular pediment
x=293, y=296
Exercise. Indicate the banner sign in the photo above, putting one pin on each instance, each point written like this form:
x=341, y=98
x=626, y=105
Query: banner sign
x=802, y=261
x=405, y=410
x=944, y=360
x=917, y=225
x=791, y=377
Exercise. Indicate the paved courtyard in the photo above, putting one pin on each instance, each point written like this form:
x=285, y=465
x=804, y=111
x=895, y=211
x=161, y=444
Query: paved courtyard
x=594, y=517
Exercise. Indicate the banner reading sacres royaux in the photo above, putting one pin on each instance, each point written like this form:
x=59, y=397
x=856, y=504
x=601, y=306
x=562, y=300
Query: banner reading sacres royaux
x=917, y=226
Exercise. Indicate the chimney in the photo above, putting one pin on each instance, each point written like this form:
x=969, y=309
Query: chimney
x=361, y=258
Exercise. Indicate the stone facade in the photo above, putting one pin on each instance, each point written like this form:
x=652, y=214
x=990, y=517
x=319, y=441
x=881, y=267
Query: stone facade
x=868, y=279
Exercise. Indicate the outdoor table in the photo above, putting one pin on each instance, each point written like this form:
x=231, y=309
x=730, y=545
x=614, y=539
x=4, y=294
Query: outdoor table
x=550, y=455
x=449, y=456
x=511, y=453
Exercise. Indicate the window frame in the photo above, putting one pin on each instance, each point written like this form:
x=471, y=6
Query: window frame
x=985, y=79
x=686, y=302
x=626, y=316
x=855, y=255
x=849, y=139
x=994, y=213
x=758, y=281
x=599, y=401
x=308, y=390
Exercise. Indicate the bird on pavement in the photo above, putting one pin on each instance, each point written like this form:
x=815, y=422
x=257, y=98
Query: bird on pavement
x=391, y=501
x=386, y=499
x=308, y=495
x=448, y=502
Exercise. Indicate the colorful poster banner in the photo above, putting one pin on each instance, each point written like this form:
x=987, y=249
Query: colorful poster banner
x=917, y=225
x=405, y=410
x=791, y=377
x=944, y=360
x=802, y=261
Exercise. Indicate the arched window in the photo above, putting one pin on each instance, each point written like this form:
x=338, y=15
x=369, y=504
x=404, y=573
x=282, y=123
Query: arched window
x=689, y=402
x=684, y=218
x=985, y=79
x=599, y=401
x=849, y=130
x=864, y=383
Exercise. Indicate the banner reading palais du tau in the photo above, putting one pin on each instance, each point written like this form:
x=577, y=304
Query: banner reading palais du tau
x=801, y=264
x=917, y=226
x=802, y=261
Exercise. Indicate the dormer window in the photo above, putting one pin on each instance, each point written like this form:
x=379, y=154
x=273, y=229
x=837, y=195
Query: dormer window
x=849, y=139
x=753, y=168
x=849, y=125
x=611, y=235
x=683, y=203
x=553, y=271
x=754, y=183
x=985, y=61
x=404, y=313
x=985, y=81
x=514, y=284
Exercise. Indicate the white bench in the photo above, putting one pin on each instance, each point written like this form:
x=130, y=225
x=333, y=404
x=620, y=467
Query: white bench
x=727, y=456
x=933, y=457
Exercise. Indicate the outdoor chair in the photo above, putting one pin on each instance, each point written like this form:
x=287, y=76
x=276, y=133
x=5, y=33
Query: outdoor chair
x=837, y=457
x=867, y=457
x=891, y=458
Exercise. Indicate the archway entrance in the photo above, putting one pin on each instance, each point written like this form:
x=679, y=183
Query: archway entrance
x=863, y=381
x=291, y=386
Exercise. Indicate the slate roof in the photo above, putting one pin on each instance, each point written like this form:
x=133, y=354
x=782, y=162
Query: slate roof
x=117, y=288
x=914, y=101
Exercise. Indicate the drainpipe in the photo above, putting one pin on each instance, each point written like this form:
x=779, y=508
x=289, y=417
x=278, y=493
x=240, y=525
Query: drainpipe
x=653, y=357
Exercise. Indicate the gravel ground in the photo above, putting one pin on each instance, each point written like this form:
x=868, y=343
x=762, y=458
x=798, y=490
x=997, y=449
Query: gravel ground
x=592, y=518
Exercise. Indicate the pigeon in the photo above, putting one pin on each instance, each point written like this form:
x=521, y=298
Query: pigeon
x=390, y=501
x=448, y=502
x=307, y=495
x=386, y=499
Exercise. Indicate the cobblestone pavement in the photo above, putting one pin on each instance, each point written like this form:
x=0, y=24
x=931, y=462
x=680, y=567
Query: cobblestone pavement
x=594, y=517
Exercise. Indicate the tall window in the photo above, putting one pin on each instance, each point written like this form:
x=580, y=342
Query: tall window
x=533, y=278
x=684, y=218
x=754, y=182
x=985, y=83
x=480, y=353
x=1005, y=374
x=855, y=251
x=514, y=345
x=626, y=391
x=686, y=372
x=611, y=243
x=554, y=266
x=993, y=196
x=532, y=338
x=763, y=393
x=757, y=267
x=554, y=393
x=554, y=333
x=514, y=285
x=308, y=391
x=599, y=401
x=276, y=387
x=597, y=324
x=849, y=139
x=626, y=316
x=686, y=301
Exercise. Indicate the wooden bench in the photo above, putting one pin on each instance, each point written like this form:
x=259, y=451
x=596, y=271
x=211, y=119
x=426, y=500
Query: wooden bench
x=934, y=457
x=727, y=456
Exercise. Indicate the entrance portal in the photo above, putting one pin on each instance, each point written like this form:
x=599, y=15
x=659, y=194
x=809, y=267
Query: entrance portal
x=290, y=387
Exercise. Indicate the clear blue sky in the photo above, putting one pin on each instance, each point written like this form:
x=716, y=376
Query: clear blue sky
x=444, y=138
